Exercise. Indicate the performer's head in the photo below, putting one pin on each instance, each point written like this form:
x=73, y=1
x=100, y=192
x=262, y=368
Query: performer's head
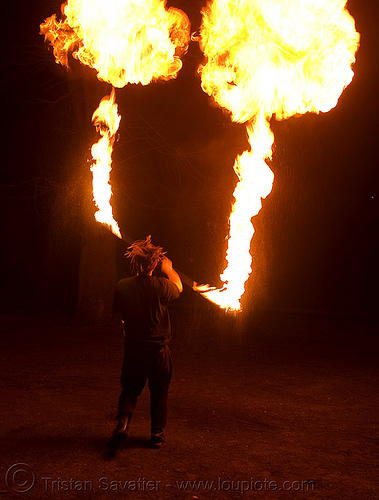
x=144, y=256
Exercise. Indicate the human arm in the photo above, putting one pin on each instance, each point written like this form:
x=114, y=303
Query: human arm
x=172, y=275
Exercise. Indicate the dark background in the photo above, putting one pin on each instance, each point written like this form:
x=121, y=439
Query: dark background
x=315, y=245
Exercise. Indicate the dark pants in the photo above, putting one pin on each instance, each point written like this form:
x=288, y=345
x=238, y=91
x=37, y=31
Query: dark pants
x=151, y=363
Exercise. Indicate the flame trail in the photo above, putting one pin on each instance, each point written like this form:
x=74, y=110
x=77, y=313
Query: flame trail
x=125, y=41
x=107, y=120
x=265, y=58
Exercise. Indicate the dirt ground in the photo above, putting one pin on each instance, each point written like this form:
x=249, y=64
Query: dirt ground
x=277, y=406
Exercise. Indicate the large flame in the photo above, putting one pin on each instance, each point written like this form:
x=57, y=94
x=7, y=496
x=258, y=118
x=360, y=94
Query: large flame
x=265, y=58
x=107, y=120
x=126, y=41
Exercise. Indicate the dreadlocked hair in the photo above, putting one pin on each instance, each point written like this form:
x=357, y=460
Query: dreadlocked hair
x=142, y=255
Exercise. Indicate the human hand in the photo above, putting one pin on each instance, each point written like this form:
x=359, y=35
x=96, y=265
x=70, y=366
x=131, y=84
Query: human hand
x=166, y=265
x=172, y=275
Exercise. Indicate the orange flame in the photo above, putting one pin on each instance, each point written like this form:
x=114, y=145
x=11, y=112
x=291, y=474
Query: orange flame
x=267, y=57
x=126, y=41
x=107, y=120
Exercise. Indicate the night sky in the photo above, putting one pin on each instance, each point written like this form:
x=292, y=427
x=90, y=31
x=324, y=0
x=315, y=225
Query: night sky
x=316, y=237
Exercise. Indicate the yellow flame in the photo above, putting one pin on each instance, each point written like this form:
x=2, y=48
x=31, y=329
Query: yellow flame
x=265, y=58
x=126, y=41
x=107, y=120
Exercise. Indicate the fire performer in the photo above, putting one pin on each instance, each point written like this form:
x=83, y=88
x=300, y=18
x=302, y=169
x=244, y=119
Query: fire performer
x=141, y=305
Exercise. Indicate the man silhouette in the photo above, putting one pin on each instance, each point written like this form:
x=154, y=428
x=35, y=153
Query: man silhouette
x=141, y=303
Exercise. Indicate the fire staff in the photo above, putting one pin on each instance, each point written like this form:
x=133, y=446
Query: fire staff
x=141, y=304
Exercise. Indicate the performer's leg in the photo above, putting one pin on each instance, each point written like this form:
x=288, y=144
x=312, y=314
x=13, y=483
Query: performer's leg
x=159, y=377
x=133, y=380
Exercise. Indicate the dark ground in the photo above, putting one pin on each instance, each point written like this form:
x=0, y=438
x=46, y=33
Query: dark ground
x=280, y=397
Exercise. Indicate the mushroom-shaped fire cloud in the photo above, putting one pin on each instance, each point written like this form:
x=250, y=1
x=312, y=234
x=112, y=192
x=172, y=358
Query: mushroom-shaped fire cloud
x=125, y=41
x=265, y=58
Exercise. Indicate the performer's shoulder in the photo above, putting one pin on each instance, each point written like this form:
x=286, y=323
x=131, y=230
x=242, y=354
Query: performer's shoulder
x=124, y=282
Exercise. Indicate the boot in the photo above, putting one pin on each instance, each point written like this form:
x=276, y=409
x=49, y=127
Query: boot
x=119, y=435
x=122, y=426
x=157, y=437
